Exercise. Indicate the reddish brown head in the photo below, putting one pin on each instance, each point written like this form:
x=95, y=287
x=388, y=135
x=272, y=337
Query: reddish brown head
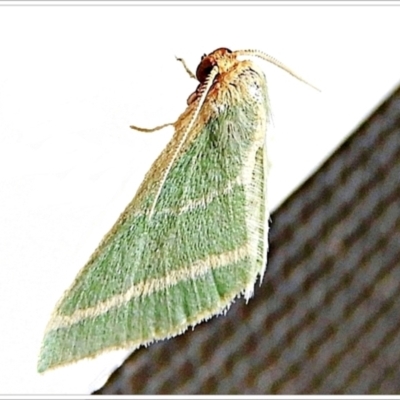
x=219, y=58
x=209, y=61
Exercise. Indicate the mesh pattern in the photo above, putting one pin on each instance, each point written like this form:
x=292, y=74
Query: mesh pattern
x=326, y=319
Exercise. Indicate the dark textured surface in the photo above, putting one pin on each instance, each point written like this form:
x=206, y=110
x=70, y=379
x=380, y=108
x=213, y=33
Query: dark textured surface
x=326, y=319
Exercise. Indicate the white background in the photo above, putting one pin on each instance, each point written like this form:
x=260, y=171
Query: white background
x=72, y=80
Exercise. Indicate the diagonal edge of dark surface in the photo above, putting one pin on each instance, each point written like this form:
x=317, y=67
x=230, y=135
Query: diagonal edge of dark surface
x=326, y=319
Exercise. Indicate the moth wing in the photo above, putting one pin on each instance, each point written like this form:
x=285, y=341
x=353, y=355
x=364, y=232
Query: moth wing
x=152, y=278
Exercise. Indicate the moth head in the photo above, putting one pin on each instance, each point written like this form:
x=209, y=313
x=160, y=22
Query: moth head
x=221, y=58
x=209, y=61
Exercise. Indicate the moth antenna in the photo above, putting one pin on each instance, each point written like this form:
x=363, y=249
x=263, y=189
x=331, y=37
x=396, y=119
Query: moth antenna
x=272, y=60
x=204, y=91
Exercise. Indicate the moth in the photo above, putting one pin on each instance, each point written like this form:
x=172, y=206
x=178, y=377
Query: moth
x=193, y=238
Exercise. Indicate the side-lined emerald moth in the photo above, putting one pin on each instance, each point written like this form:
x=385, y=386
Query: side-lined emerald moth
x=195, y=235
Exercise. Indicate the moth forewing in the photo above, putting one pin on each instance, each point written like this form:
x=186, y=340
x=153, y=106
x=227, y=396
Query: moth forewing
x=194, y=236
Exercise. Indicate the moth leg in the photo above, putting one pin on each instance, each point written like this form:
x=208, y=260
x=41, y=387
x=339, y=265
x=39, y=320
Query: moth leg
x=187, y=69
x=147, y=130
x=157, y=128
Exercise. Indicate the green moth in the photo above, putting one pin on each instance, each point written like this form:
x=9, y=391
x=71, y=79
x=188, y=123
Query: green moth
x=195, y=235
